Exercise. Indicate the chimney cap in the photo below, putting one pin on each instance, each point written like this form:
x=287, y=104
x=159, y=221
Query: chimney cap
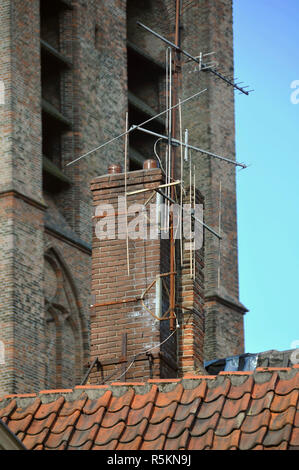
x=150, y=163
x=114, y=168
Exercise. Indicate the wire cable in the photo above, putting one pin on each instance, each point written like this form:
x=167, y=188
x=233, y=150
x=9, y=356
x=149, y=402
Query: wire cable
x=146, y=352
x=132, y=128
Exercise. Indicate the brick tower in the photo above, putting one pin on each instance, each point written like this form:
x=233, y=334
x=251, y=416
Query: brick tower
x=70, y=70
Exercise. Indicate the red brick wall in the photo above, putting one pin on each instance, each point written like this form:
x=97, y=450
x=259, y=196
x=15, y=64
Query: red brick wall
x=111, y=283
x=191, y=298
x=95, y=101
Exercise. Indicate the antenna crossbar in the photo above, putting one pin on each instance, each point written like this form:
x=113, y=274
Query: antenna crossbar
x=194, y=59
x=132, y=128
x=177, y=143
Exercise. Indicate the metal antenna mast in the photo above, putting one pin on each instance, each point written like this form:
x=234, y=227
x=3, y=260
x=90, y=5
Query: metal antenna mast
x=176, y=76
x=173, y=98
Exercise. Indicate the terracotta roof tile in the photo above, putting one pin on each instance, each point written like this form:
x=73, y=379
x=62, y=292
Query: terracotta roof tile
x=8, y=409
x=86, y=420
x=63, y=422
x=135, y=416
x=32, y=441
x=157, y=444
x=205, y=441
x=160, y=414
x=131, y=445
x=286, y=386
x=230, y=411
x=226, y=426
x=154, y=431
x=46, y=409
x=250, y=440
x=111, y=419
x=29, y=410
x=190, y=395
x=183, y=411
x=232, y=408
x=202, y=426
x=140, y=401
x=260, y=404
x=55, y=440
x=119, y=402
x=106, y=435
x=39, y=447
x=80, y=437
x=221, y=390
x=108, y=446
x=283, y=402
x=237, y=391
x=208, y=409
x=279, y=420
x=39, y=425
x=20, y=425
x=275, y=438
x=166, y=398
x=264, y=384
x=69, y=407
x=255, y=422
x=294, y=441
x=131, y=432
x=87, y=446
x=227, y=442
x=178, y=427
x=92, y=405
x=282, y=446
x=178, y=443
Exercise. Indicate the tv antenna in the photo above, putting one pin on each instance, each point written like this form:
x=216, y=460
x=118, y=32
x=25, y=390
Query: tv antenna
x=174, y=53
x=174, y=59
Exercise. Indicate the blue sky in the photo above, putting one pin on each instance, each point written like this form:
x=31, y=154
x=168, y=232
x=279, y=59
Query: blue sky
x=267, y=130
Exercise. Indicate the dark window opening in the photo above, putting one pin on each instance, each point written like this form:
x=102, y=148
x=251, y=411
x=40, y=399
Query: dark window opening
x=53, y=67
x=144, y=81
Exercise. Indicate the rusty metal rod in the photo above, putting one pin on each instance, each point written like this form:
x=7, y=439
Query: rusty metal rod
x=116, y=302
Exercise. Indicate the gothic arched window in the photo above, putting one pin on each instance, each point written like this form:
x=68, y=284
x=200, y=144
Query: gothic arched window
x=63, y=342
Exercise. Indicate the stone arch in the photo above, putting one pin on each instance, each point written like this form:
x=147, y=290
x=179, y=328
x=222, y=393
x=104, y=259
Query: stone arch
x=64, y=325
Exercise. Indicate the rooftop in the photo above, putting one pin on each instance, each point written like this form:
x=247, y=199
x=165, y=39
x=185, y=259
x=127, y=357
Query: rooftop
x=255, y=410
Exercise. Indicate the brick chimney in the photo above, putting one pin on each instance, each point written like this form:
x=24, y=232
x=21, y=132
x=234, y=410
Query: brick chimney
x=130, y=285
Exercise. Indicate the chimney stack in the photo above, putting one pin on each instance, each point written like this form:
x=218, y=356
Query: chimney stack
x=130, y=285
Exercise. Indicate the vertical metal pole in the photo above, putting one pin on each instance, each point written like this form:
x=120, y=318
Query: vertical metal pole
x=124, y=354
x=219, y=246
x=173, y=163
x=126, y=201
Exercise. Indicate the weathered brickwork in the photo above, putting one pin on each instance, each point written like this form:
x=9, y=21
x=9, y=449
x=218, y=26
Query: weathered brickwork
x=93, y=99
x=112, y=283
x=113, y=286
x=191, y=303
x=22, y=299
x=211, y=126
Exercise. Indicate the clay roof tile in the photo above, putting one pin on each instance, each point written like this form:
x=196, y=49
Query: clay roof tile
x=233, y=411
